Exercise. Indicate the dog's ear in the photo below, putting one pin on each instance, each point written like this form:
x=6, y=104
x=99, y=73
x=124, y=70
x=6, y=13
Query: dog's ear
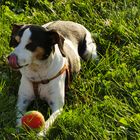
x=56, y=38
x=15, y=29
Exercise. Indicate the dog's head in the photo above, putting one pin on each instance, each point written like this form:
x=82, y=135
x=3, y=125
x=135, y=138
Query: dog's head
x=32, y=43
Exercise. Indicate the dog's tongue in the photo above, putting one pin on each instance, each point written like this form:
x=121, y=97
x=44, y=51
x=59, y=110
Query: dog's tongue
x=12, y=60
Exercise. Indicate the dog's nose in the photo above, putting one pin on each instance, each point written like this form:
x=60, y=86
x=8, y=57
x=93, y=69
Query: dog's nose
x=13, y=61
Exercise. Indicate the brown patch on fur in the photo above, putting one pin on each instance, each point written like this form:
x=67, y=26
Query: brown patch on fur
x=17, y=38
x=39, y=52
x=30, y=41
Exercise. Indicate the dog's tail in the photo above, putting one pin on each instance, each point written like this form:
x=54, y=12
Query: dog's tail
x=87, y=47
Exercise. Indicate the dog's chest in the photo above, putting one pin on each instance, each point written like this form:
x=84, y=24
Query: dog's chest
x=35, y=72
x=47, y=90
x=44, y=92
x=53, y=89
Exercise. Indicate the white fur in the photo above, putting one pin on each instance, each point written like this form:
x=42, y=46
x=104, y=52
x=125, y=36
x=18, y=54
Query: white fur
x=91, y=47
x=47, y=24
x=24, y=55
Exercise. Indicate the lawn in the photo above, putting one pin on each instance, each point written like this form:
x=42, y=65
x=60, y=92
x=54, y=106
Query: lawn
x=103, y=102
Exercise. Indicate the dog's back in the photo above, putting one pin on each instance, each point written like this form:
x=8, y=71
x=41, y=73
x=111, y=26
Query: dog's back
x=70, y=30
x=78, y=42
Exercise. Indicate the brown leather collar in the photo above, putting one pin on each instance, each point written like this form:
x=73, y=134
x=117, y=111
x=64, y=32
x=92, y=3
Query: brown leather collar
x=46, y=81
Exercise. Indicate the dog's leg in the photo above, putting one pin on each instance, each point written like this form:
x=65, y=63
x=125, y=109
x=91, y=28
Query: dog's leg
x=22, y=105
x=49, y=122
x=25, y=96
x=55, y=101
x=90, y=52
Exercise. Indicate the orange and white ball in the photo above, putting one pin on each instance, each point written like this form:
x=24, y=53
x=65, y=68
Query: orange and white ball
x=33, y=120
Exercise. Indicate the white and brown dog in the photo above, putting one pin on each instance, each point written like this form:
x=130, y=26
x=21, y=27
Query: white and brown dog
x=45, y=55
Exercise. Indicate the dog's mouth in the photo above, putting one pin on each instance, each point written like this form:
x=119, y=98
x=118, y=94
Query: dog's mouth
x=12, y=61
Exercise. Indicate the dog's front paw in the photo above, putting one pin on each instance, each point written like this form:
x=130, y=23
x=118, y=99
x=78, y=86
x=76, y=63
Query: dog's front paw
x=42, y=133
x=19, y=128
x=18, y=122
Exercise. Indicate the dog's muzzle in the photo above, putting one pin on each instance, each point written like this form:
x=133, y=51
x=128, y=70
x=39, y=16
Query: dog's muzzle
x=13, y=61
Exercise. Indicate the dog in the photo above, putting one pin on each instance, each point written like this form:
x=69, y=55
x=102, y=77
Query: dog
x=47, y=56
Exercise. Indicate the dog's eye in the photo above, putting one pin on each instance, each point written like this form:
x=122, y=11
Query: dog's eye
x=13, y=42
x=31, y=46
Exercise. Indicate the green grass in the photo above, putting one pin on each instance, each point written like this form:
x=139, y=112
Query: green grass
x=103, y=102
